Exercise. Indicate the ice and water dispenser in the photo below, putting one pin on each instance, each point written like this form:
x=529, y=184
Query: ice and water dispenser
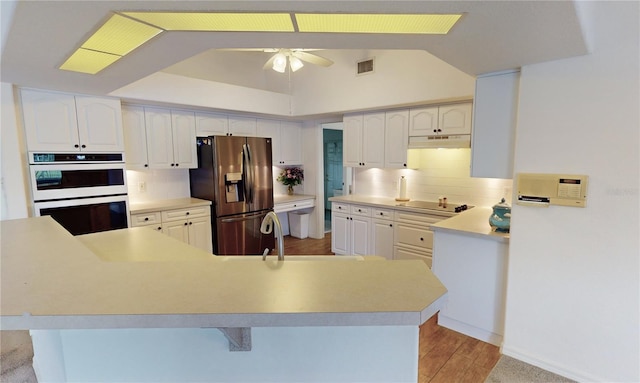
x=234, y=190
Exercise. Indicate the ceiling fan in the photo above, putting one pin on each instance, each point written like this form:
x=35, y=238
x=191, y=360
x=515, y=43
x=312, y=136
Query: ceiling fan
x=294, y=57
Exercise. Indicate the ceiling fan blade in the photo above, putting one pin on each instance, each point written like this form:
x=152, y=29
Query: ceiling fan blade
x=311, y=58
x=269, y=63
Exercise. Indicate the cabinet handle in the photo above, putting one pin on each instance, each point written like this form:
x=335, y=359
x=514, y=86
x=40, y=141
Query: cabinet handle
x=381, y=213
x=76, y=146
x=83, y=146
x=295, y=205
x=422, y=239
x=435, y=130
x=187, y=213
x=146, y=218
x=190, y=223
x=405, y=165
x=439, y=130
x=146, y=165
x=173, y=165
x=177, y=164
x=186, y=223
x=390, y=225
x=159, y=227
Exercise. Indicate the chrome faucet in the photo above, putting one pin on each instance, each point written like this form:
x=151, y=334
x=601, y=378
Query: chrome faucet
x=266, y=227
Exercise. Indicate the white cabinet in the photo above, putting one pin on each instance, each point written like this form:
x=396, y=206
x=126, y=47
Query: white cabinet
x=183, y=129
x=423, y=121
x=242, y=126
x=171, y=138
x=135, y=137
x=382, y=233
x=211, y=124
x=286, y=140
x=396, y=139
x=190, y=225
x=440, y=120
x=495, y=111
x=364, y=140
x=58, y=122
x=351, y=229
x=413, y=238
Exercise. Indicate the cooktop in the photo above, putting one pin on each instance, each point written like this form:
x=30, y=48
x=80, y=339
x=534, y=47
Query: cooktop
x=448, y=207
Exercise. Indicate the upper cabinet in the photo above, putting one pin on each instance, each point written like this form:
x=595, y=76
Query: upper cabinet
x=494, y=126
x=440, y=126
x=364, y=140
x=215, y=124
x=159, y=138
x=58, y=122
x=286, y=140
x=396, y=139
x=242, y=126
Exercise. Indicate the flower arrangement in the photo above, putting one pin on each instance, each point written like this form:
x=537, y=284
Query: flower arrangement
x=291, y=176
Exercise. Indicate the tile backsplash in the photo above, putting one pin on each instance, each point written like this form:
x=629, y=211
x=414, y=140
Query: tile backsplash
x=153, y=185
x=437, y=173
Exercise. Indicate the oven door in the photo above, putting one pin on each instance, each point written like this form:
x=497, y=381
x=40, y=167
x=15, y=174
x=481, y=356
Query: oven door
x=57, y=181
x=87, y=215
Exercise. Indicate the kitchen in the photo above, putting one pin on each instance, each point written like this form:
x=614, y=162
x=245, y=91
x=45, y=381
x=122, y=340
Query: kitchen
x=552, y=87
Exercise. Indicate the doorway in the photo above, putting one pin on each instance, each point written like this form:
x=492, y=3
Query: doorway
x=333, y=171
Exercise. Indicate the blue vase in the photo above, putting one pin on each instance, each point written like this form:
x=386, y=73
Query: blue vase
x=500, y=219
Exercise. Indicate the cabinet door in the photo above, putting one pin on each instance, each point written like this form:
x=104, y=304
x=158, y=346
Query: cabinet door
x=423, y=121
x=50, y=121
x=159, y=138
x=373, y=140
x=99, y=124
x=178, y=230
x=455, y=119
x=291, y=143
x=396, y=139
x=135, y=139
x=360, y=235
x=211, y=124
x=183, y=128
x=271, y=129
x=352, y=141
x=382, y=238
x=242, y=126
x=400, y=253
x=495, y=107
x=340, y=233
x=200, y=233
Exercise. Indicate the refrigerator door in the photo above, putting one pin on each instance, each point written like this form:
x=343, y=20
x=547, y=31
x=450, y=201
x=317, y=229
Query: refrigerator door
x=240, y=235
x=260, y=188
x=231, y=180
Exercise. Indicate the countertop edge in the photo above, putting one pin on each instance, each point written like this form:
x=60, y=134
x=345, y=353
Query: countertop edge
x=168, y=204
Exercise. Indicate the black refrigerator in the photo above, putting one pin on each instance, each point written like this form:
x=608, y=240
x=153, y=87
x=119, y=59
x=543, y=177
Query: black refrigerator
x=235, y=174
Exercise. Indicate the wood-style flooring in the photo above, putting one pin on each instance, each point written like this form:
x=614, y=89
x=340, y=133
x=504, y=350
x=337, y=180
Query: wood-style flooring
x=445, y=355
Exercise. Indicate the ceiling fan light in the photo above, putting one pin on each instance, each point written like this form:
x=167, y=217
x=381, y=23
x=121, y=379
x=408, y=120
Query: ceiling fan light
x=295, y=63
x=280, y=63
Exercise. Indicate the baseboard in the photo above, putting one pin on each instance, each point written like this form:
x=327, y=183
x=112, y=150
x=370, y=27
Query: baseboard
x=472, y=331
x=550, y=366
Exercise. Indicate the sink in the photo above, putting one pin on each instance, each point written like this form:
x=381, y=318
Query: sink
x=295, y=258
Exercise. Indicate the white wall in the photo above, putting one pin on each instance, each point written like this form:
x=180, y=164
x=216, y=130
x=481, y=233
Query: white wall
x=159, y=184
x=442, y=172
x=573, y=291
x=13, y=184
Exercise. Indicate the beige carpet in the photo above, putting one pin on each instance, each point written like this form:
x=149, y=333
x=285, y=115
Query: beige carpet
x=16, y=357
x=509, y=370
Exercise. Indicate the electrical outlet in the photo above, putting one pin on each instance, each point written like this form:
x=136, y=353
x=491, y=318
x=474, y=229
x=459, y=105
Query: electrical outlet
x=142, y=186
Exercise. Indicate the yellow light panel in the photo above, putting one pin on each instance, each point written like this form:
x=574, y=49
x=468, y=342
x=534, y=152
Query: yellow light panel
x=88, y=61
x=230, y=22
x=120, y=35
x=376, y=23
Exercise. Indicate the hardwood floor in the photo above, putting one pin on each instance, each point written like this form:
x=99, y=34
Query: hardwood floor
x=445, y=356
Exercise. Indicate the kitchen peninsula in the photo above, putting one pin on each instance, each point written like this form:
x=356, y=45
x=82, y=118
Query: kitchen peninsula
x=135, y=305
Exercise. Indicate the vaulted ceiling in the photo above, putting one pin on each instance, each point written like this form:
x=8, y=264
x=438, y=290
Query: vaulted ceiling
x=491, y=36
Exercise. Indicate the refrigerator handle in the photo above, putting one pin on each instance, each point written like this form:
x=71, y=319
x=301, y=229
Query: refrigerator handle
x=248, y=172
x=245, y=217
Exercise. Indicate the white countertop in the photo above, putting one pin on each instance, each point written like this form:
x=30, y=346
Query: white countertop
x=386, y=203
x=167, y=204
x=137, y=278
x=473, y=222
x=285, y=198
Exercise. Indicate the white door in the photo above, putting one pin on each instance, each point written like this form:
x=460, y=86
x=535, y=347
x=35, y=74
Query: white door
x=183, y=128
x=177, y=229
x=340, y=233
x=200, y=233
x=135, y=138
x=242, y=126
x=211, y=124
x=396, y=141
x=352, y=141
x=382, y=238
x=423, y=121
x=159, y=138
x=271, y=129
x=290, y=143
x=99, y=124
x=360, y=235
x=373, y=140
x=455, y=119
x=50, y=121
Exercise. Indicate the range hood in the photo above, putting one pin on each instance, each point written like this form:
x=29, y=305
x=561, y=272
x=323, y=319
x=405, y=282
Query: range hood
x=440, y=141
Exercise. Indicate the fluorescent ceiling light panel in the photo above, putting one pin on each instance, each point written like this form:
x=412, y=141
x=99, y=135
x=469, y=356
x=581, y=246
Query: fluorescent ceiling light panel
x=88, y=61
x=376, y=23
x=217, y=22
x=114, y=39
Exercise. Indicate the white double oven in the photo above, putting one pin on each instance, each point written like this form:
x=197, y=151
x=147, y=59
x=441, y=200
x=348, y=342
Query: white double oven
x=85, y=193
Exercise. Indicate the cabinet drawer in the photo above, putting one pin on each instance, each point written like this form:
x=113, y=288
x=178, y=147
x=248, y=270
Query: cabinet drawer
x=340, y=207
x=382, y=213
x=401, y=253
x=417, y=219
x=363, y=211
x=178, y=214
x=146, y=219
x=290, y=206
x=413, y=236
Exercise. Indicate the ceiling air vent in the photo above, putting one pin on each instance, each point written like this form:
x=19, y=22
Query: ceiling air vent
x=365, y=66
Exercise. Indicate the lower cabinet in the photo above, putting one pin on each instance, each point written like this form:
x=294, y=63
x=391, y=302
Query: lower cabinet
x=350, y=228
x=413, y=237
x=382, y=233
x=189, y=225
